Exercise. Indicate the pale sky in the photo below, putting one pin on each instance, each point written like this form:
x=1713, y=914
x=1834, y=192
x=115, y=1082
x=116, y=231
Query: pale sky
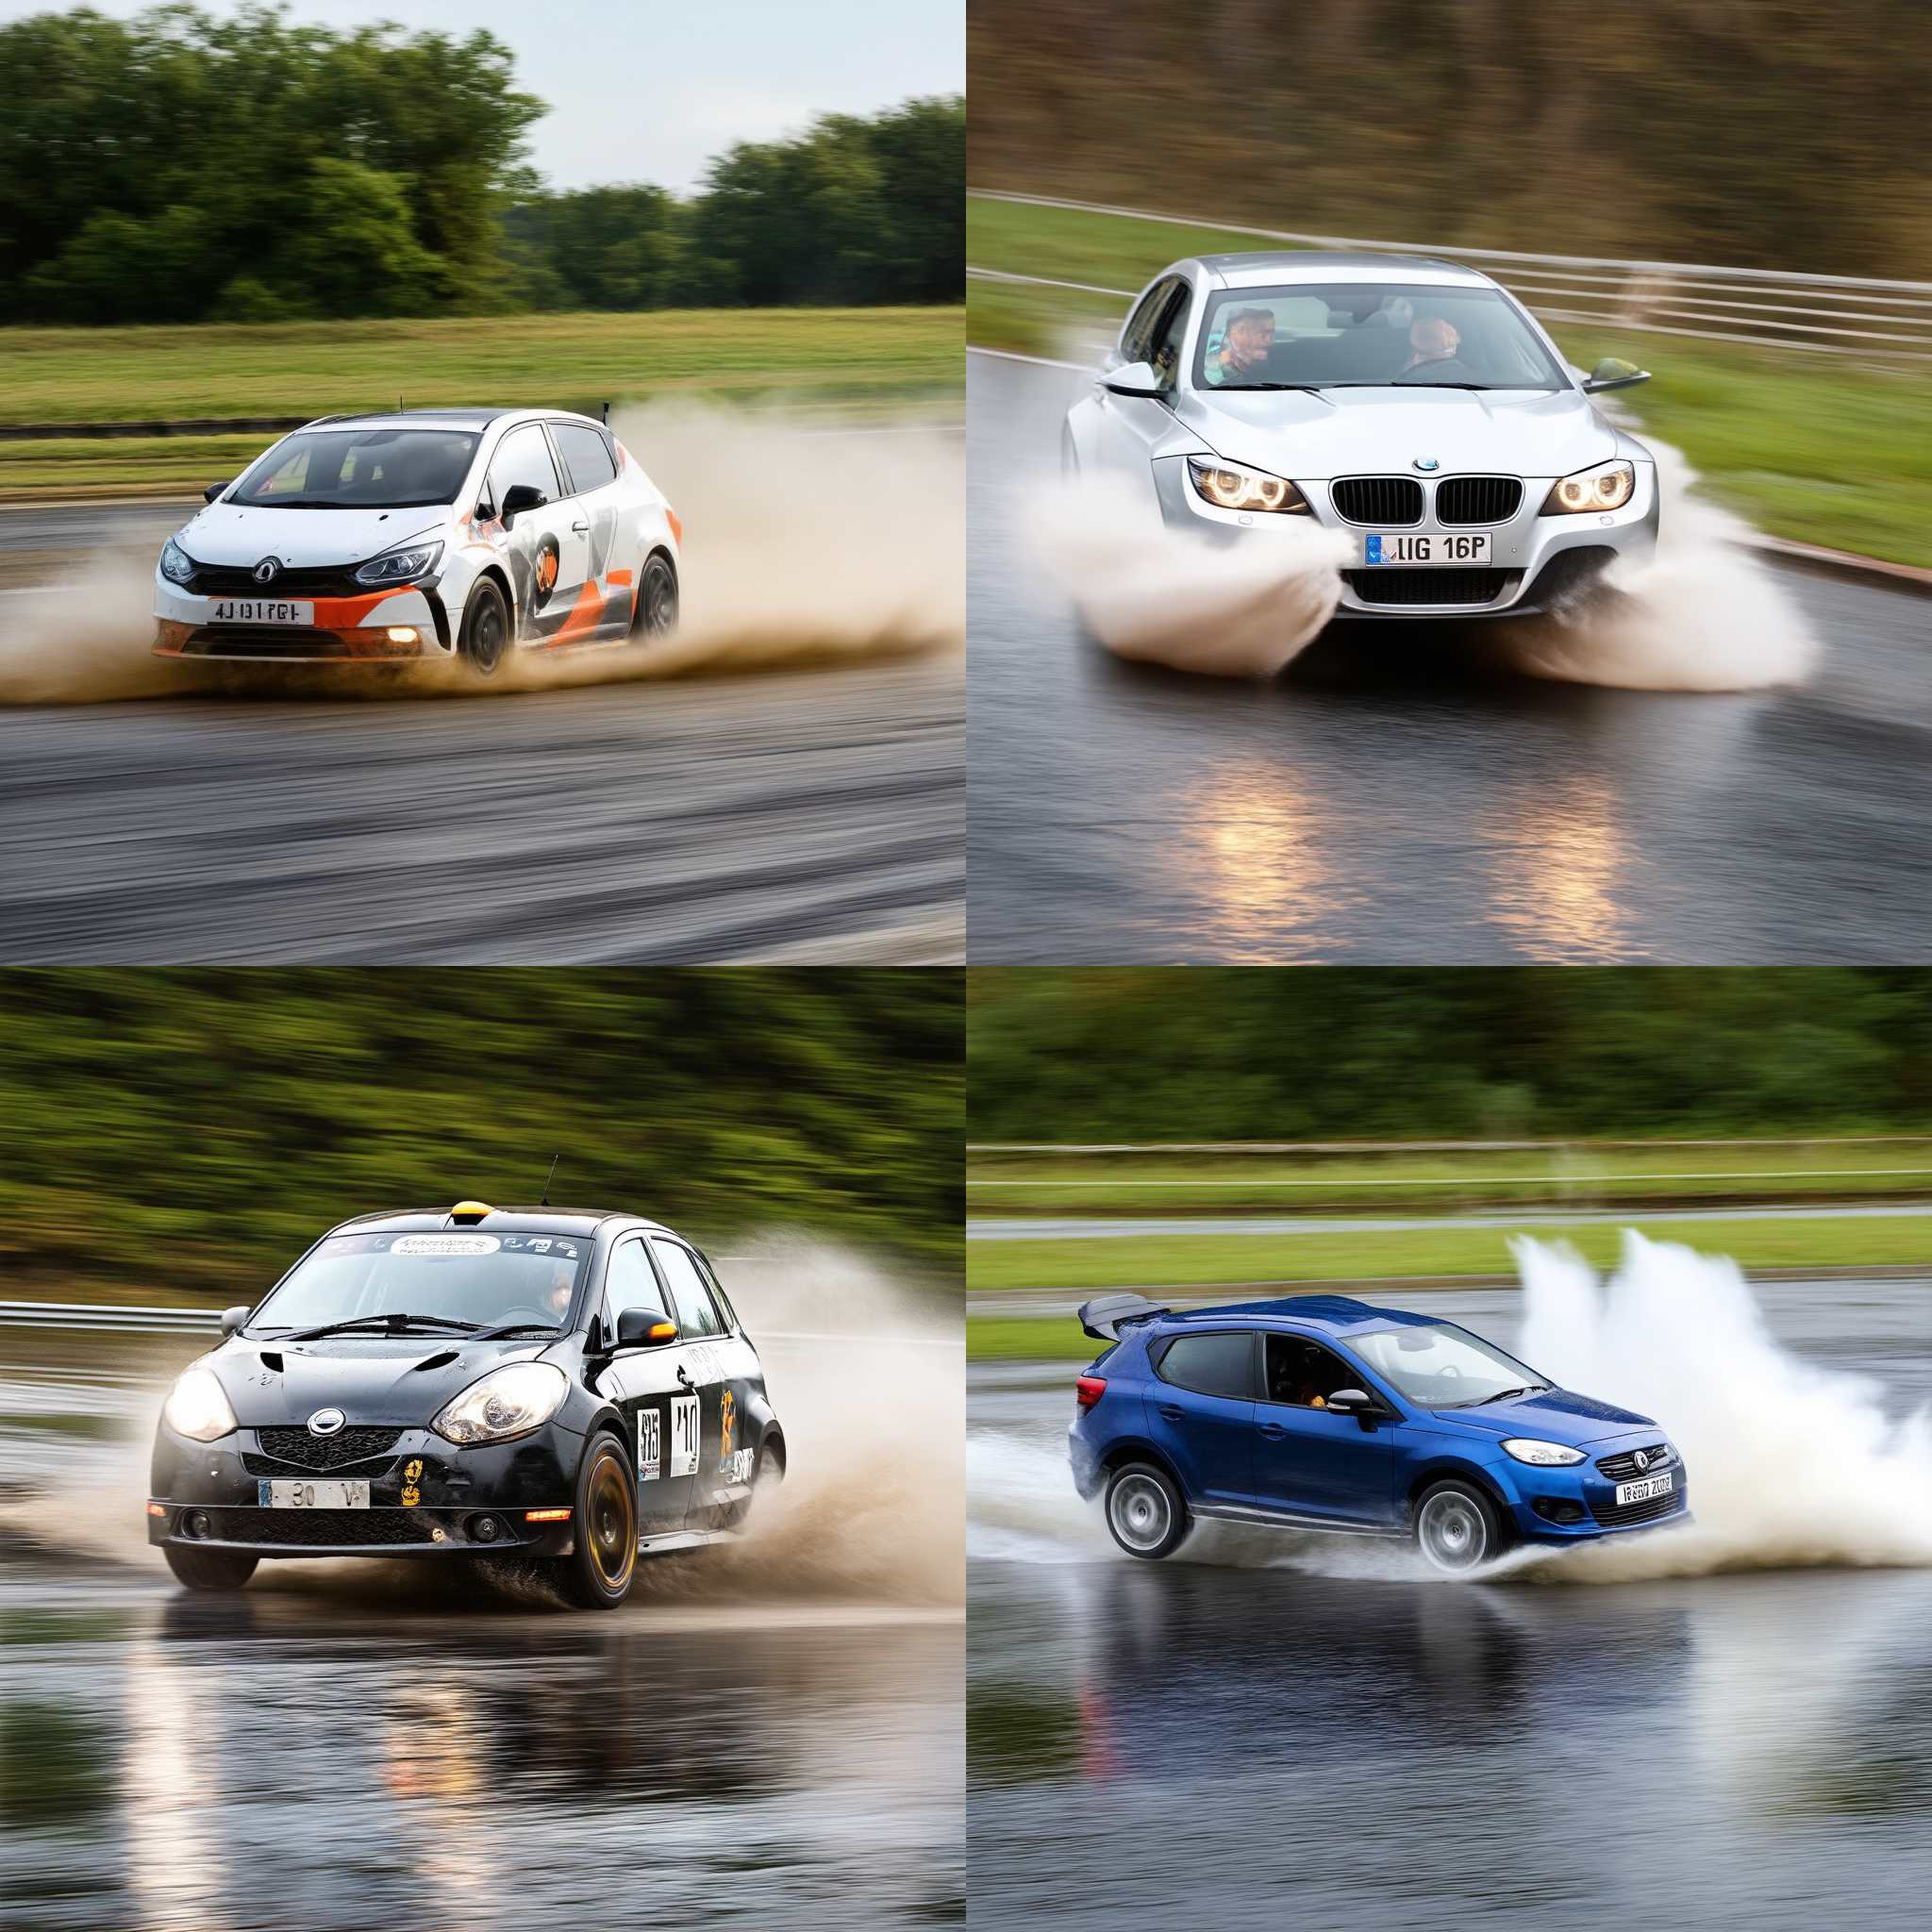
x=650, y=90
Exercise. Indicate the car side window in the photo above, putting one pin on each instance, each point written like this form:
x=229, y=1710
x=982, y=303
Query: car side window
x=586, y=455
x=523, y=456
x=1304, y=1375
x=697, y=1314
x=717, y=1288
x=1137, y=339
x=1222, y=1363
x=1170, y=327
x=629, y=1283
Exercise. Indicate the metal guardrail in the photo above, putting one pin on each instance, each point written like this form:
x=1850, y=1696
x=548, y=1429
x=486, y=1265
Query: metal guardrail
x=1844, y=315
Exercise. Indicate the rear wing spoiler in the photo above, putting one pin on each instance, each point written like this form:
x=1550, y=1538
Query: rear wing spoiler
x=1104, y=1317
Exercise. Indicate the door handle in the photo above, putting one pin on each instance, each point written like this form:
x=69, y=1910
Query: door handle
x=682, y=1376
x=581, y=529
x=1169, y=1413
x=1274, y=1431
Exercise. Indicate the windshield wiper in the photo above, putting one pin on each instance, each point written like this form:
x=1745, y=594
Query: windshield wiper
x=1504, y=1395
x=1308, y=389
x=392, y=1324
x=514, y=1328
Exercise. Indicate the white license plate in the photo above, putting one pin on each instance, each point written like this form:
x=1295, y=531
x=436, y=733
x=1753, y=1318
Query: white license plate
x=1644, y=1491
x=280, y=1494
x=260, y=610
x=1432, y=548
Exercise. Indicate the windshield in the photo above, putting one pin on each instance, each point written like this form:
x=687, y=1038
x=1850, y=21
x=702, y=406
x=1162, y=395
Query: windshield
x=359, y=468
x=1441, y=1366
x=1370, y=336
x=461, y=1278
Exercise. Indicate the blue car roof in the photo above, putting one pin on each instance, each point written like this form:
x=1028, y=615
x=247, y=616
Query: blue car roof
x=1333, y=1312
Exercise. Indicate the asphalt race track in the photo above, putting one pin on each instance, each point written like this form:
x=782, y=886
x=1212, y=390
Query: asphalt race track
x=807, y=813
x=1389, y=800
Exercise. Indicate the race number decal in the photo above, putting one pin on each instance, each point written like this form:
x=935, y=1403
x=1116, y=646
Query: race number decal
x=684, y=1436
x=650, y=1440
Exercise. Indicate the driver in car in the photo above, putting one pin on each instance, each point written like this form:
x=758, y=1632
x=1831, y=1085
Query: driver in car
x=564, y=1276
x=1245, y=347
x=1433, y=340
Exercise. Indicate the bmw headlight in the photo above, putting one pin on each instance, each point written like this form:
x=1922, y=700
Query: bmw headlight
x=1607, y=486
x=1227, y=486
x=176, y=565
x=197, y=1407
x=510, y=1401
x=1544, y=1455
x=401, y=566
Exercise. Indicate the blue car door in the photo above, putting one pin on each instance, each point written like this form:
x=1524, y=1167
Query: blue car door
x=1201, y=1411
x=1308, y=1460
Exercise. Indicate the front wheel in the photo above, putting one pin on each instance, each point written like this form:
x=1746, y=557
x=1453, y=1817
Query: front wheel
x=208, y=1568
x=656, y=615
x=1457, y=1527
x=597, y=1575
x=1144, y=1512
x=485, y=638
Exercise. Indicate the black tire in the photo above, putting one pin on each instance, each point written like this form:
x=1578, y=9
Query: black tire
x=1145, y=1514
x=656, y=614
x=208, y=1568
x=598, y=1572
x=485, y=639
x=1457, y=1527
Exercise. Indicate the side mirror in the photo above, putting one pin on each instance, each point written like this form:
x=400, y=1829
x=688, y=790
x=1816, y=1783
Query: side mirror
x=215, y=490
x=645, y=1327
x=519, y=497
x=233, y=1320
x=1352, y=1401
x=1613, y=373
x=1133, y=379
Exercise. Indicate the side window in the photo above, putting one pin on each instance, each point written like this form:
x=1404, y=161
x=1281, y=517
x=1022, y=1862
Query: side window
x=523, y=456
x=1165, y=351
x=717, y=1288
x=1303, y=1374
x=1137, y=339
x=586, y=455
x=697, y=1314
x=630, y=1284
x=1218, y=1364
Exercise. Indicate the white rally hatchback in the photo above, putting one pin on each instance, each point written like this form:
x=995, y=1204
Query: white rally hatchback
x=430, y=534
x=1414, y=406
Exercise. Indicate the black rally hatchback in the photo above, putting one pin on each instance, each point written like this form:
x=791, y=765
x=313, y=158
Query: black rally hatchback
x=570, y=1389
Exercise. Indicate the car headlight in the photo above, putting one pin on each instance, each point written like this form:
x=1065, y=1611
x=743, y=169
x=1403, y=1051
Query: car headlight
x=401, y=566
x=510, y=1401
x=1544, y=1455
x=1608, y=486
x=197, y=1407
x=1227, y=486
x=176, y=565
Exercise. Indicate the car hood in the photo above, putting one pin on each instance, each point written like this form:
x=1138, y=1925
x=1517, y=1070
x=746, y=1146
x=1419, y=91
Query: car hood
x=226, y=533
x=1345, y=432
x=370, y=1378
x=1556, y=1415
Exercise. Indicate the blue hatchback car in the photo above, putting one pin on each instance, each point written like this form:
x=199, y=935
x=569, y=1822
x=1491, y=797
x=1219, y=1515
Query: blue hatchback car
x=1318, y=1413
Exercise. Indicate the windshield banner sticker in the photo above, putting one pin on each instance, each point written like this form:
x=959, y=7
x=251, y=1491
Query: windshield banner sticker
x=446, y=1244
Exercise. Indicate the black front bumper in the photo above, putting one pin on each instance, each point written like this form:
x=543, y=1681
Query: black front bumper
x=426, y=1497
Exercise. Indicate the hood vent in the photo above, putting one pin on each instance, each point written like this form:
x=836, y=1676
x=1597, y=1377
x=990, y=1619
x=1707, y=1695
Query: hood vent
x=272, y=1359
x=441, y=1360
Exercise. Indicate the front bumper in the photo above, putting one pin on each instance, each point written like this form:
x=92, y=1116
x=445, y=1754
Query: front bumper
x=1578, y=1503
x=1536, y=561
x=365, y=629
x=453, y=1491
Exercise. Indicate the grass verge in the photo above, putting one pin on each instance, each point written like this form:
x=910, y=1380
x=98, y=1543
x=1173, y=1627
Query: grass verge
x=1802, y=445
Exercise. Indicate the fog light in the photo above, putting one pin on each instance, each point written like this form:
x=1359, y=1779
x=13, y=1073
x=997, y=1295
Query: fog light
x=197, y=1523
x=404, y=634
x=1556, y=1509
x=485, y=1529
x=546, y=1515
x=157, y=1509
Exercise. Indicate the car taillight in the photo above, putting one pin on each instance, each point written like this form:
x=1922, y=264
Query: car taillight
x=1088, y=1390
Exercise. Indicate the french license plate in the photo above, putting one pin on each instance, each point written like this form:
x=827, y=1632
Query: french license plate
x=1644, y=1491
x=1432, y=548
x=260, y=610
x=281, y=1494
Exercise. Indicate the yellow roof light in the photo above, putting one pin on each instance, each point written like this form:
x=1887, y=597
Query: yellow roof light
x=468, y=1213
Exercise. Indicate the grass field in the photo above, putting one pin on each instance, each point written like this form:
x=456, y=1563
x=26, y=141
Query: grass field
x=853, y=361
x=1802, y=445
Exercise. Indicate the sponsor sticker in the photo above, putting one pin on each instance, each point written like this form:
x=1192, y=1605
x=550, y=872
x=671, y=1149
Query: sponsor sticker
x=650, y=1445
x=446, y=1244
x=727, y=1423
x=738, y=1466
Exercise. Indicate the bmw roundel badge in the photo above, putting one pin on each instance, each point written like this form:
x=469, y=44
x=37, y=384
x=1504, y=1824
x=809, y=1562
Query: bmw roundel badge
x=1426, y=464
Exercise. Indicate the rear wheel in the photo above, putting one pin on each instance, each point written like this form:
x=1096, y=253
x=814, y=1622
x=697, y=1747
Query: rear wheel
x=485, y=639
x=208, y=1568
x=1457, y=1527
x=1144, y=1512
x=656, y=615
x=604, y=1528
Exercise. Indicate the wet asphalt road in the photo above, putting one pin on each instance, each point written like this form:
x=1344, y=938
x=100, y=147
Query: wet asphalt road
x=813, y=815
x=1387, y=801
x=1189, y=1742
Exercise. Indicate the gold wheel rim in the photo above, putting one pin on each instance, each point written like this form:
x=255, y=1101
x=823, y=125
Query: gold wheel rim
x=610, y=1526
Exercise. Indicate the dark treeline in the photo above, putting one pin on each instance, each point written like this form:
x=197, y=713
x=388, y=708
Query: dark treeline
x=176, y=167
x=1781, y=133
x=1323, y=1053
x=194, y=1130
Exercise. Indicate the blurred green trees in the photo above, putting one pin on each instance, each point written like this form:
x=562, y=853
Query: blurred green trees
x=179, y=167
x=1333, y=1052
x=192, y=1131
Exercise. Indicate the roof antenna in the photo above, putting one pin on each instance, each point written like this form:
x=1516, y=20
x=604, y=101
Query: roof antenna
x=549, y=1177
x=605, y=419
